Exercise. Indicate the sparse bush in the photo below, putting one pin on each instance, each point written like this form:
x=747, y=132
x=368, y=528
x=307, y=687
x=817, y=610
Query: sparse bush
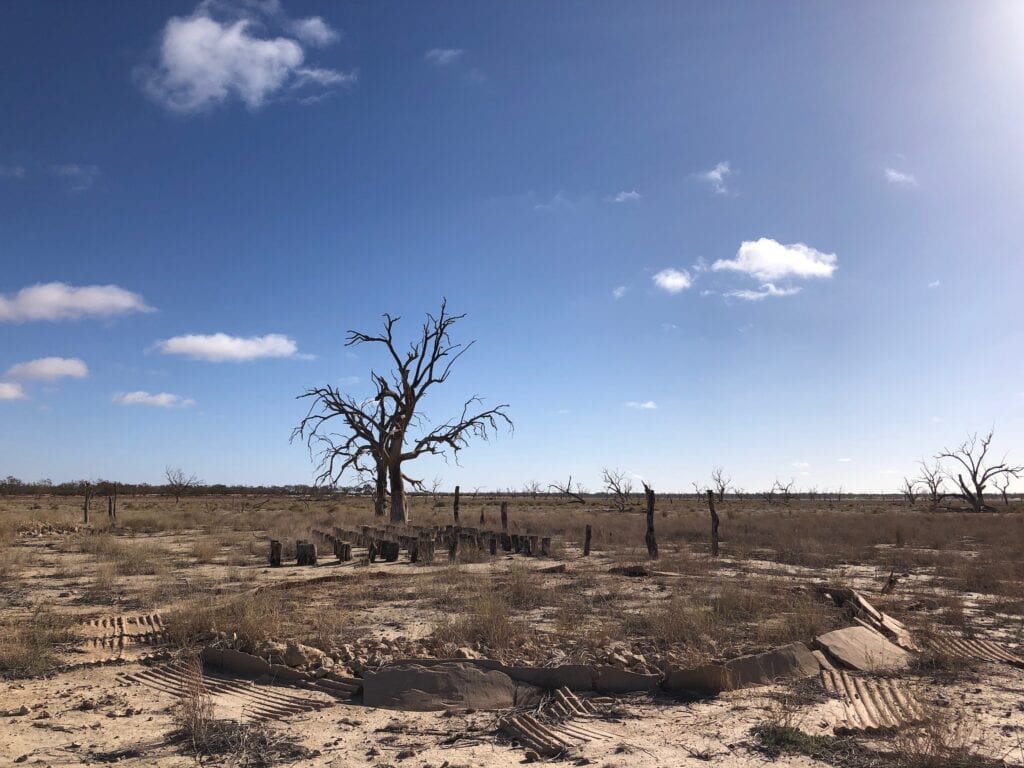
x=29, y=647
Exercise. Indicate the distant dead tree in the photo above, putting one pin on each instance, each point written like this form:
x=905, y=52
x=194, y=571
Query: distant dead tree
x=698, y=491
x=932, y=479
x=974, y=472
x=785, y=489
x=532, y=487
x=380, y=433
x=1003, y=484
x=574, y=493
x=178, y=482
x=720, y=482
x=435, y=487
x=619, y=487
x=909, y=490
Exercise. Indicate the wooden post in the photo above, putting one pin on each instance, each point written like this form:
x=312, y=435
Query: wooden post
x=275, y=553
x=545, y=546
x=455, y=505
x=453, y=548
x=110, y=506
x=649, y=538
x=483, y=521
x=492, y=544
x=85, y=507
x=504, y=515
x=714, y=523
x=114, y=505
x=586, y=540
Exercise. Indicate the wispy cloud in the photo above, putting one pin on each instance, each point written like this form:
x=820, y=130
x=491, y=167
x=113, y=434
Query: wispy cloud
x=559, y=201
x=11, y=391
x=220, y=347
x=641, y=405
x=718, y=177
x=60, y=301
x=159, y=400
x=899, y=178
x=12, y=171
x=934, y=283
x=766, y=290
x=768, y=260
x=619, y=291
x=49, y=369
x=801, y=464
x=444, y=57
x=673, y=280
x=844, y=460
x=223, y=51
x=350, y=381
x=78, y=177
x=626, y=196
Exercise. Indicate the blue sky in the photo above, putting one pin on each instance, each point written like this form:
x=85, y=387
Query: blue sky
x=783, y=238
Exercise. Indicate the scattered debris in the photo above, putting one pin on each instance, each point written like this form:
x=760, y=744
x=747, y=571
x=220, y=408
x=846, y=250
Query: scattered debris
x=549, y=739
x=441, y=686
x=863, y=649
x=251, y=701
x=793, y=661
x=971, y=648
x=866, y=614
x=870, y=705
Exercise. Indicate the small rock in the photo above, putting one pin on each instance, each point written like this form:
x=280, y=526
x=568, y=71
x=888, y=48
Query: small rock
x=465, y=653
x=530, y=756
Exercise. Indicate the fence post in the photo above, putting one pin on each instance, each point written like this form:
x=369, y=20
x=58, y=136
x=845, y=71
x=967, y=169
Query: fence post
x=649, y=538
x=455, y=505
x=586, y=541
x=714, y=524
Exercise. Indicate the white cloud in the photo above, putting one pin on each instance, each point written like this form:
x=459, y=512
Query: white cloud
x=159, y=400
x=801, y=464
x=646, y=405
x=12, y=171
x=60, y=301
x=625, y=196
x=768, y=260
x=718, y=176
x=79, y=177
x=49, y=369
x=766, y=290
x=9, y=391
x=313, y=31
x=350, y=381
x=899, y=178
x=443, y=57
x=844, y=460
x=673, y=280
x=220, y=347
x=203, y=62
x=619, y=291
x=934, y=283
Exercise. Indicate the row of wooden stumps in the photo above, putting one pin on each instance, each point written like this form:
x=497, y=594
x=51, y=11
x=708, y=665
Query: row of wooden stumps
x=305, y=552
x=650, y=539
x=111, y=503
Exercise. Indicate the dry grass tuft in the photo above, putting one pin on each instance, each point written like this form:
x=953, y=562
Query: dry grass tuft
x=29, y=647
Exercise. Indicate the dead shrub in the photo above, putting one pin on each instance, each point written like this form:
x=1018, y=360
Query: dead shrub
x=252, y=617
x=486, y=625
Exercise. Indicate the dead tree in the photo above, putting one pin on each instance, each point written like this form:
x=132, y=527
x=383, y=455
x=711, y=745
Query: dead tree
x=909, y=490
x=618, y=487
x=178, y=482
x=1003, y=484
x=389, y=430
x=974, y=473
x=720, y=482
x=649, y=538
x=567, y=490
x=532, y=487
x=455, y=506
x=932, y=479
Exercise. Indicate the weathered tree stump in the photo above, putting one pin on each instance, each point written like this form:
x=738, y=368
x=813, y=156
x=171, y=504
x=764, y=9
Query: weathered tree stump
x=425, y=552
x=714, y=524
x=453, y=549
x=275, y=554
x=534, y=544
x=342, y=550
x=305, y=553
x=492, y=544
x=586, y=540
x=649, y=537
x=506, y=543
x=390, y=550
x=525, y=546
x=545, y=546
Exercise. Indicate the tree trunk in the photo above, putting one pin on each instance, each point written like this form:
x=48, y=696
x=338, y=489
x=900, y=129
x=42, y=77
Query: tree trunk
x=714, y=524
x=398, y=516
x=380, y=492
